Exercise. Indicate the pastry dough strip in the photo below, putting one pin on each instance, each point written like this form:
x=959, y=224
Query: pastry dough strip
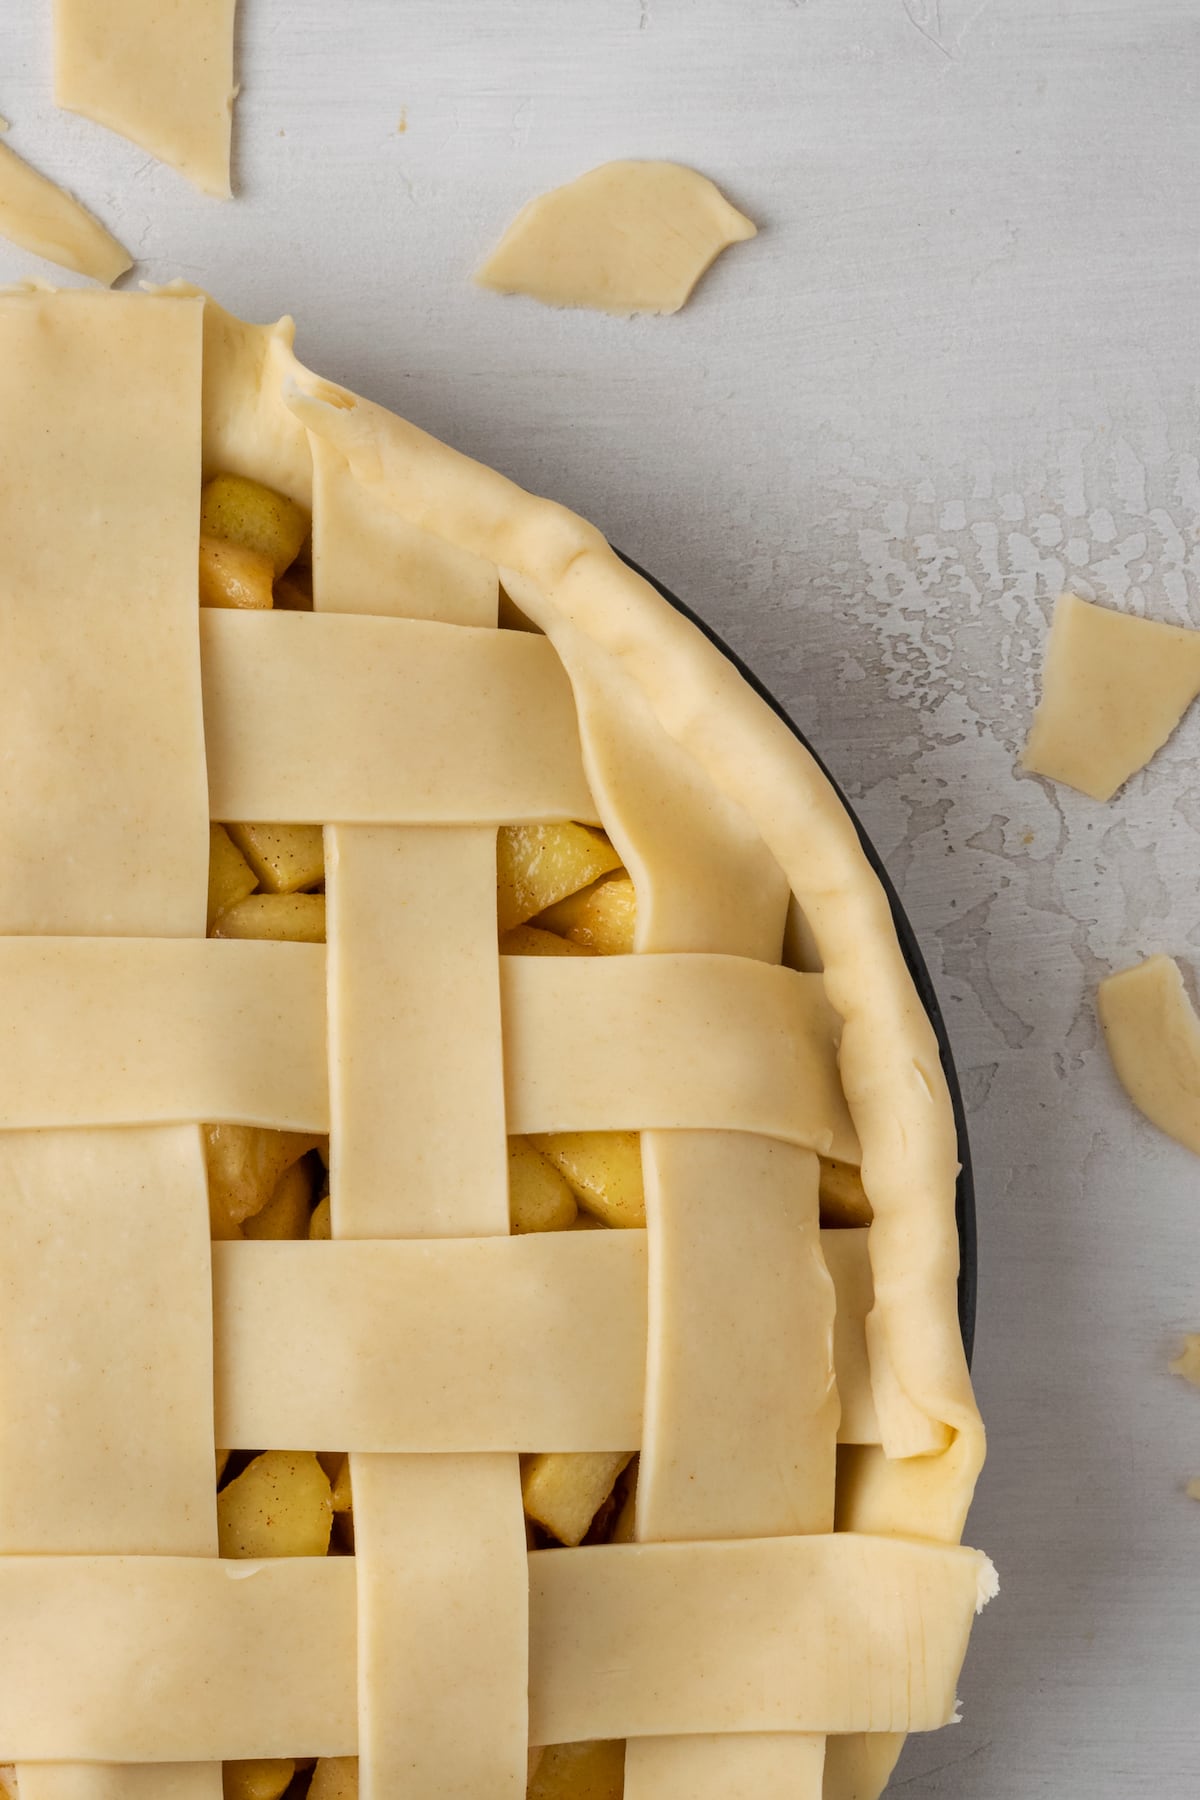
x=568, y=580
x=106, y=1440
x=540, y=1341
x=735, y=1442
x=189, y=1658
x=807, y=1634
x=365, y=553
x=418, y=1149
x=44, y=219
x=674, y=1042
x=319, y=717
x=102, y=784
x=106, y=1443
x=109, y=1031
x=498, y=1343
x=114, y=1031
x=116, y=1781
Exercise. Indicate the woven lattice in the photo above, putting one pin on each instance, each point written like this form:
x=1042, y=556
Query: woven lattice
x=741, y=1628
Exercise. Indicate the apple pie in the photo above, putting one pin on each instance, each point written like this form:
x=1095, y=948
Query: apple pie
x=478, y=1289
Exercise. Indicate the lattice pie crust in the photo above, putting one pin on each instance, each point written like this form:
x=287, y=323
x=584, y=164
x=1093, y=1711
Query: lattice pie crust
x=742, y=1643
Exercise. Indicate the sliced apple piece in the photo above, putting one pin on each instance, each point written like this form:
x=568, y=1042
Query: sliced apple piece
x=245, y=1163
x=843, y=1198
x=335, y=1778
x=280, y=1505
x=528, y=940
x=599, y=918
x=230, y=877
x=287, y=918
x=263, y=1779
x=604, y=1169
x=246, y=512
x=539, y=864
x=287, y=1212
x=539, y=1197
x=235, y=575
x=563, y=1490
x=285, y=858
x=584, y=1771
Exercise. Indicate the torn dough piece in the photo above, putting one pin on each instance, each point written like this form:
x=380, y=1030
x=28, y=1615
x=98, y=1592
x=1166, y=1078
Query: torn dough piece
x=1113, y=690
x=1193, y=1488
x=45, y=220
x=1187, y=1363
x=628, y=237
x=161, y=76
x=1153, y=1038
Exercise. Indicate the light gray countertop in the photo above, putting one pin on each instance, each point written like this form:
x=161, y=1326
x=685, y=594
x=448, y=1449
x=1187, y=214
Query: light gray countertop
x=956, y=372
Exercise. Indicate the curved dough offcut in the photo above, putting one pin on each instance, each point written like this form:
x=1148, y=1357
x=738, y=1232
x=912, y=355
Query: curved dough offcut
x=1153, y=1037
x=45, y=220
x=1113, y=690
x=628, y=237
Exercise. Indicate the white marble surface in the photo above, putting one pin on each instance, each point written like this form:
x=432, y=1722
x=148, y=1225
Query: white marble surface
x=957, y=370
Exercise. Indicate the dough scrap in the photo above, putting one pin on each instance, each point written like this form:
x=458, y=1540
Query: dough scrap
x=161, y=76
x=628, y=237
x=1153, y=1038
x=44, y=219
x=1187, y=1363
x=1114, y=688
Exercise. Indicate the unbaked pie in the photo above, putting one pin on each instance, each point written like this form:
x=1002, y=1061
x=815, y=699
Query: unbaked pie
x=458, y=1067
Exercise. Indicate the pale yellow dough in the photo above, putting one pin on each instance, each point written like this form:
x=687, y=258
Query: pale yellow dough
x=716, y=812
x=1187, y=1363
x=439, y=1538
x=117, y=1031
x=118, y=842
x=176, y=1658
x=1114, y=688
x=74, y=1208
x=602, y=617
x=413, y=955
x=122, y=849
x=673, y=1042
x=42, y=218
x=767, y=1765
x=1153, y=1038
x=159, y=74
x=768, y=1634
x=110, y=1658
x=628, y=237
x=130, y=1781
x=396, y=744
x=542, y=1340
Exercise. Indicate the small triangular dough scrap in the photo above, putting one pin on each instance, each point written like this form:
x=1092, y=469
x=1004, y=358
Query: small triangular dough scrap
x=47, y=221
x=1153, y=1037
x=1113, y=690
x=628, y=237
x=161, y=76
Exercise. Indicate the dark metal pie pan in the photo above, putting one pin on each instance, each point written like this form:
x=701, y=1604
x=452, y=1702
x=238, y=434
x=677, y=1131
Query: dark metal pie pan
x=965, y=1198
